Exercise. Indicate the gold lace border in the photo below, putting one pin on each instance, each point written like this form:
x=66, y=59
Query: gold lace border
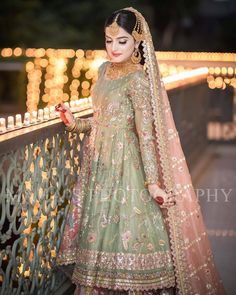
x=124, y=281
x=125, y=261
x=67, y=257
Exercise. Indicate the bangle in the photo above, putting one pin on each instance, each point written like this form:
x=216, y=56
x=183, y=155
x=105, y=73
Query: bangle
x=79, y=125
x=71, y=126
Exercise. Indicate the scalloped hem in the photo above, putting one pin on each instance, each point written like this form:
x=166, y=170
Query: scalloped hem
x=66, y=258
x=128, y=282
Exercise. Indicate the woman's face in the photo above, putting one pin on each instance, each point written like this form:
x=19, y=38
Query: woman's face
x=119, y=47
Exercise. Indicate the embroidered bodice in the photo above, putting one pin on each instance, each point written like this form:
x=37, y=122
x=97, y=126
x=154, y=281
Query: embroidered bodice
x=123, y=104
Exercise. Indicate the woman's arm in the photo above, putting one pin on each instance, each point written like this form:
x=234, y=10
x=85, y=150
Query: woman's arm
x=80, y=125
x=73, y=124
x=139, y=93
x=77, y=124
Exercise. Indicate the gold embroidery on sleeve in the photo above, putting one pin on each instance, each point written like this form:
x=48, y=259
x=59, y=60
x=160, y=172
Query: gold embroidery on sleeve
x=139, y=94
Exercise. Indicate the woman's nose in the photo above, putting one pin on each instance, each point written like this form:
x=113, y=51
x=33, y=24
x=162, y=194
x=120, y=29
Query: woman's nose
x=114, y=46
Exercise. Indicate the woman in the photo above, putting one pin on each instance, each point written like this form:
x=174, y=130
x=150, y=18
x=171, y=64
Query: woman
x=134, y=224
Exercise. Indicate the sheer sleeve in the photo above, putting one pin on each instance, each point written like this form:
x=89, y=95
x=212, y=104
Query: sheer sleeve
x=80, y=125
x=139, y=94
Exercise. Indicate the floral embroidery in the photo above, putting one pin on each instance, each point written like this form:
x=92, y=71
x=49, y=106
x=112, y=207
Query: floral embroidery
x=139, y=93
x=150, y=246
x=162, y=242
x=91, y=237
x=125, y=238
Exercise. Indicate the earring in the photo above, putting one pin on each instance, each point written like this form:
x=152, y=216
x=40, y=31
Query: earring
x=136, y=56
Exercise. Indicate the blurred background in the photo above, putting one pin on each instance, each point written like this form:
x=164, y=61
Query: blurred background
x=50, y=52
x=196, y=25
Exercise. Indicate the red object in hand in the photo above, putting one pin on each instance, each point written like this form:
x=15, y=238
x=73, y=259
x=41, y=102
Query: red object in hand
x=159, y=200
x=62, y=111
x=59, y=108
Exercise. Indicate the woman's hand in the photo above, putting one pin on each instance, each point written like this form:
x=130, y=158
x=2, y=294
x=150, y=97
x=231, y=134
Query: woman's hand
x=65, y=114
x=162, y=198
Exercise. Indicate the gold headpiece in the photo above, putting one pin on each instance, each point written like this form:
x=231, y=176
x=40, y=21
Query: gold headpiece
x=114, y=27
x=137, y=32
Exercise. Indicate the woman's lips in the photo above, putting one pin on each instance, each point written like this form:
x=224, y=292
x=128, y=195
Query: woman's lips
x=116, y=54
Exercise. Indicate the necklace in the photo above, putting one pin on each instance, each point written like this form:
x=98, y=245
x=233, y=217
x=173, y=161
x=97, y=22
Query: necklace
x=117, y=70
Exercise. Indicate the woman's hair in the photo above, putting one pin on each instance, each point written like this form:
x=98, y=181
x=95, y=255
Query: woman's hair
x=126, y=20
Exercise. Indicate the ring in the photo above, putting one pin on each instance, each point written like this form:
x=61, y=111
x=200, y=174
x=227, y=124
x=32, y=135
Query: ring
x=159, y=200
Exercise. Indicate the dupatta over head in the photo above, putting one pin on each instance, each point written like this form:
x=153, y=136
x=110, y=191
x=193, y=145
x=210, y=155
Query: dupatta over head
x=195, y=270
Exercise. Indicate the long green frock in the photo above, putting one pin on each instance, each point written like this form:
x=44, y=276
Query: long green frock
x=122, y=242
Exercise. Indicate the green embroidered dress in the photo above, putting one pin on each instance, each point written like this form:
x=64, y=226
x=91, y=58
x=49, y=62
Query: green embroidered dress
x=122, y=241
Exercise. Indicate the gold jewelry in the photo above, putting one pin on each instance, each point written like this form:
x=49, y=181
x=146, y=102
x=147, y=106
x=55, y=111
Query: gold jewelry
x=137, y=32
x=116, y=70
x=113, y=29
x=136, y=56
x=71, y=126
x=79, y=125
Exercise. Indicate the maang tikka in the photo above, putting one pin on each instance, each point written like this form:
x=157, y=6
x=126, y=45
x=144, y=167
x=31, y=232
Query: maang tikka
x=114, y=27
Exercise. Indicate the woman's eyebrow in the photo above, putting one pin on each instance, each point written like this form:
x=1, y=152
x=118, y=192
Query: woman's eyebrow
x=122, y=37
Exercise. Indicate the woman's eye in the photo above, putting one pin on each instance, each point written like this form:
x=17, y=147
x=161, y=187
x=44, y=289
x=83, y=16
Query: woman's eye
x=120, y=42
